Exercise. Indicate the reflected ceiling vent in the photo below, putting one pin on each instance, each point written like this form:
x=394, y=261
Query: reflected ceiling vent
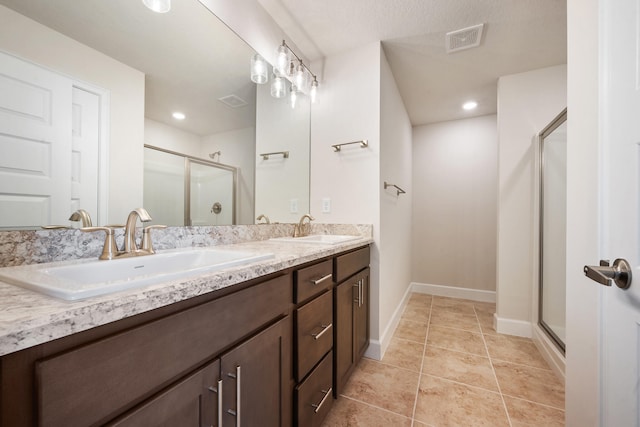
x=233, y=101
x=464, y=39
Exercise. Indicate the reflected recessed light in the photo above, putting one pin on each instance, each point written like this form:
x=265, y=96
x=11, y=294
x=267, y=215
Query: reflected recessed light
x=178, y=116
x=160, y=6
x=470, y=105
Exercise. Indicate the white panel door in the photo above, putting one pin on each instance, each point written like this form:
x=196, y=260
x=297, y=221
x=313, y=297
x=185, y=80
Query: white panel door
x=35, y=144
x=620, y=237
x=85, y=151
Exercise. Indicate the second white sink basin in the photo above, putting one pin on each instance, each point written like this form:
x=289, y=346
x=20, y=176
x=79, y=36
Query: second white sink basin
x=322, y=239
x=89, y=278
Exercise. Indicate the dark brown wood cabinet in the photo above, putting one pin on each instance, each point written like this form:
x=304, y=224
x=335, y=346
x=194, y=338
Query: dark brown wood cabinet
x=351, y=300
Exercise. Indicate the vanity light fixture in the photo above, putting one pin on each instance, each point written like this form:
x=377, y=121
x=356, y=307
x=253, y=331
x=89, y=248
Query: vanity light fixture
x=178, y=115
x=470, y=105
x=292, y=68
x=259, y=69
x=293, y=96
x=278, y=85
x=159, y=6
x=313, y=92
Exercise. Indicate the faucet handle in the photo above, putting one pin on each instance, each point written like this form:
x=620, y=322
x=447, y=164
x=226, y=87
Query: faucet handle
x=109, y=249
x=147, y=244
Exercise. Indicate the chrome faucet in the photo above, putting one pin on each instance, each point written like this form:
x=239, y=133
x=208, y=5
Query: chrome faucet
x=301, y=229
x=263, y=216
x=81, y=215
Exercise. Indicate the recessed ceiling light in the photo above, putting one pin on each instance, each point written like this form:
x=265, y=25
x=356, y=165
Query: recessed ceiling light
x=470, y=105
x=178, y=115
x=160, y=6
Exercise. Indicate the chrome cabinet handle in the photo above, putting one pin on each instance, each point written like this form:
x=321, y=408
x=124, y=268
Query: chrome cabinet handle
x=357, y=299
x=322, y=279
x=317, y=406
x=321, y=333
x=219, y=392
x=360, y=286
x=238, y=379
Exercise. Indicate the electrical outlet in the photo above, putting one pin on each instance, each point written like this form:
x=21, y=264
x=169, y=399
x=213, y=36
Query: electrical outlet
x=326, y=205
x=293, y=205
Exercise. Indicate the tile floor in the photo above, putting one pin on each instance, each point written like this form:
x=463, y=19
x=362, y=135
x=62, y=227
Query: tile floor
x=446, y=366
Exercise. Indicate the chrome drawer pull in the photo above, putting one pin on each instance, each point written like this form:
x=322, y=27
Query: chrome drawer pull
x=325, y=329
x=322, y=279
x=219, y=392
x=317, y=407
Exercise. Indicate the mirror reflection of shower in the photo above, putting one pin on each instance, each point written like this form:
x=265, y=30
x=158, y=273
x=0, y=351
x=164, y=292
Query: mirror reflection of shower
x=185, y=190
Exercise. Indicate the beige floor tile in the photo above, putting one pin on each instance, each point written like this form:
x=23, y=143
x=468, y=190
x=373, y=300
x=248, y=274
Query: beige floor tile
x=410, y=330
x=484, y=307
x=523, y=413
x=455, y=305
x=404, y=354
x=456, y=339
x=516, y=350
x=350, y=413
x=461, y=367
x=486, y=323
x=420, y=299
x=419, y=424
x=417, y=313
x=442, y=317
x=384, y=386
x=534, y=384
x=444, y=403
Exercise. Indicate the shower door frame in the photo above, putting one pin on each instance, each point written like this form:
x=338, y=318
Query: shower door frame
x=555, y=123
x=187, y=180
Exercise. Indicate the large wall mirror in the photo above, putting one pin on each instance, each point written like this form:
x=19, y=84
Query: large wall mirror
x=108, y=75
x=553, y=230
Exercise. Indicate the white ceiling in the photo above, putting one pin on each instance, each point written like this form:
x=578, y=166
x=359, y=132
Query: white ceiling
x=519, y=35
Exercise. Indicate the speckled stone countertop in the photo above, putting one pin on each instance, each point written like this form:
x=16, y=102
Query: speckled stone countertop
x=29, y=318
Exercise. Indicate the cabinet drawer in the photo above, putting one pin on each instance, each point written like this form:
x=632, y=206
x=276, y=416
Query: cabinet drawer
x=314, y=396
x=95, y=382
x=314, y=333
x=312, y=280
x=350, y=263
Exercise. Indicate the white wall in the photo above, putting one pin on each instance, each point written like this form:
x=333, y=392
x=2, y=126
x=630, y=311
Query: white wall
x=395, y=210
x=171, y=138
x=454, y=203
x=125, y=85
x=280, y=180
x=583, y=328
x=527, y=102
x=349, y=110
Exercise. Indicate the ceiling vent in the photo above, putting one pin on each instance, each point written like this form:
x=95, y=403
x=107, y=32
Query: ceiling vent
x=464, y=39
x=233, y=101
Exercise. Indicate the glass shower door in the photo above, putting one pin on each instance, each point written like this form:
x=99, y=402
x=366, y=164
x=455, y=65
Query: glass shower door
x=212, y=195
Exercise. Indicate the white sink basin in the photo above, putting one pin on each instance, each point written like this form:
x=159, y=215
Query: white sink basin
x=321, y=239
x=89, y=278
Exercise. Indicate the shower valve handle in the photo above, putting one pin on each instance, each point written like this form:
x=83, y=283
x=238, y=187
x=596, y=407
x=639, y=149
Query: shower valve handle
x=619, y=272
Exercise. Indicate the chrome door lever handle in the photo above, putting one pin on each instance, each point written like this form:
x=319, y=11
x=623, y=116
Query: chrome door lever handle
x=619, y=272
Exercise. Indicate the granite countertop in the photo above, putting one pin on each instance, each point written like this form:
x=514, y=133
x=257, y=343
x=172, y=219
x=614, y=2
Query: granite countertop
x=29, y=318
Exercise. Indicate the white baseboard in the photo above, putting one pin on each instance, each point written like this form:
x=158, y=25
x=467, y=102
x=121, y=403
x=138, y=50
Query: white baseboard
x=549, y=351
x=377, y=348
x=454, y=292
x=519, y=328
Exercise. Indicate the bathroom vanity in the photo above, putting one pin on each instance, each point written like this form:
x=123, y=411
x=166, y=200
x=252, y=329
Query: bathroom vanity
x=265, y=344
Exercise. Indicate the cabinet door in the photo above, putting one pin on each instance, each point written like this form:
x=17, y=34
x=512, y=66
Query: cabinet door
x=191, y=402
x=343, y=346
x=257, y=379
x=361, y=315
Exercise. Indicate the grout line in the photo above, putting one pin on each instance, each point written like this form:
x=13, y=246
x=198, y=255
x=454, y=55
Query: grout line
x=523, y=364
x=449, y=380
x=424, y=349
x=373, y=406
x=535, y=403
x=504, y=403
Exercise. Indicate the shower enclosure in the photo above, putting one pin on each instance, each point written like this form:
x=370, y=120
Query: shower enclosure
x=552, y=245
x=184, y=190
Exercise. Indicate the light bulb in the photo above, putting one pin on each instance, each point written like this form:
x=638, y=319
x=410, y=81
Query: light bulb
x=282, y=59
x=259, y=67
x=299, y=76
x=278, y=88
x=470, y=105
x=159, y=6
x=313, y=92
x=294, y=96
